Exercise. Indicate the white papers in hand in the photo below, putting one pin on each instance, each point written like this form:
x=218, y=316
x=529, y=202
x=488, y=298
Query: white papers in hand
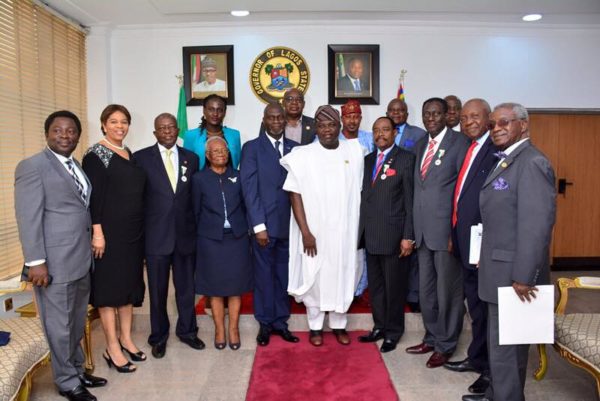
x=524, y=322
x=475, y=248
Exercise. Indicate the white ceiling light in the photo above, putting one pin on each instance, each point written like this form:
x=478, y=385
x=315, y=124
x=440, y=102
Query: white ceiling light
x=532, y=17
x=240, y=13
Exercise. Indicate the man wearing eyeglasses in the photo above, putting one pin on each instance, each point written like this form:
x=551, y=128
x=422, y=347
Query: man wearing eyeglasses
x=299, y=128
x=478, y=162
x=518, y=210
x=440, y=273
x=170, y=233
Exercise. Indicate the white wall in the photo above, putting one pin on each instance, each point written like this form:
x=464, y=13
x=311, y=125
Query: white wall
x=537, y=65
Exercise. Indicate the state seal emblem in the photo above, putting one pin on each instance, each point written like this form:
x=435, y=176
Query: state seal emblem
x=275, y=71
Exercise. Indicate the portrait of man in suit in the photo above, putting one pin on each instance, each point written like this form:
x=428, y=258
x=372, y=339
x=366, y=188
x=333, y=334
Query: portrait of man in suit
x=52, y=195
x=440, y=273
x=386, y=229
x=478, y=161
x=170, y=233
x=518, y=211
x=268, y=210
x=355, y=81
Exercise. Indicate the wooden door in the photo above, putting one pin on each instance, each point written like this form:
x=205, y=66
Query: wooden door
x=572, y=143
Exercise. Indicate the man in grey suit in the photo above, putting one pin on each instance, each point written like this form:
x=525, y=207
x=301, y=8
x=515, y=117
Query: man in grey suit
x=439, y=157
x=406, y=138
x=518, y=209
x=52, y=196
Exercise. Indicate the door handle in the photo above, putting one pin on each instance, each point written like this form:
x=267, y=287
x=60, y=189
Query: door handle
x=562, y=185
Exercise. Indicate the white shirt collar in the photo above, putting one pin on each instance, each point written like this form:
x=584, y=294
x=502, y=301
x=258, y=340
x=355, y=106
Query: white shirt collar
x=440, y=137
x=512, y=147
x=385, y=152
x=273, y=139
x=163, y=149
x=61, y=158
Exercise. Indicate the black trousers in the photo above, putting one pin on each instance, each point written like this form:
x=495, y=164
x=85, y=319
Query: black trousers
x=477, y=352
x=159, y=268
x=388, y=285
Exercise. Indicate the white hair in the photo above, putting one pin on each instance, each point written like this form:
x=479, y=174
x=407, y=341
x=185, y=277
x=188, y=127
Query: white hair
x=519, y=110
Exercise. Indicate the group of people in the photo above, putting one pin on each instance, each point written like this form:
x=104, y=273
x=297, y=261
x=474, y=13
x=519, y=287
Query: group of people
x=313, y=208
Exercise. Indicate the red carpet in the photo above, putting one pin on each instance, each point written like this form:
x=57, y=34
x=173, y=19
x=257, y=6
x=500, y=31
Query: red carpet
x=360, y=305
x=332, y=372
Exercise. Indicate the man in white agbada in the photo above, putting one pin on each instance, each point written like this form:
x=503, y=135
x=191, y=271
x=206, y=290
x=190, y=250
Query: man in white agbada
x=324, y=180
x=210, y=83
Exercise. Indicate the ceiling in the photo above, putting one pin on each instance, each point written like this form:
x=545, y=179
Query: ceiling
x=144, y=12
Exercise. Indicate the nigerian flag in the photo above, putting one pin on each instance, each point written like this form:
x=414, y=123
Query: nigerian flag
x=182, y=121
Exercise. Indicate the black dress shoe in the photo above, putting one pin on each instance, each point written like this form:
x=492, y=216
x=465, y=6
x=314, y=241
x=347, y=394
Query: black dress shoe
x=460, y=366
x=263, y=337
x=388, y=345
x=286, y=335
x=193, y=342
x=91, y=381
x=79, y=393
x=374, y=335
x=414, y=307
x=159, y=350
x=480, y=385
x=475, y=397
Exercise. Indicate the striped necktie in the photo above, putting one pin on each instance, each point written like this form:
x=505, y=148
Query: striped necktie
x=78, y=183
x=428, y=158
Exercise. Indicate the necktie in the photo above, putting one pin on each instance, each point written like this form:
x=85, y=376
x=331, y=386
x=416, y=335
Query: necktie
x=78, y=183
x=378, y=165
x=460, y=180
x=277, y=143
x=357, y=85
x=428, y=158
x=170, y=169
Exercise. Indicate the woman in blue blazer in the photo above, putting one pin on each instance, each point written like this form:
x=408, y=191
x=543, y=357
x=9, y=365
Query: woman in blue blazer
x=223, y=268
x=211, y=125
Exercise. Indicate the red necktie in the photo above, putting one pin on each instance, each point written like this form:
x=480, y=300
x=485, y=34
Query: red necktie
x=378, y=166
x=459, y=181
x=428, y=158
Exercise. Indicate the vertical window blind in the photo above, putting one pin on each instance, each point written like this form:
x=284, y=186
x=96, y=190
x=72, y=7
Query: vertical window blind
x=42, y=69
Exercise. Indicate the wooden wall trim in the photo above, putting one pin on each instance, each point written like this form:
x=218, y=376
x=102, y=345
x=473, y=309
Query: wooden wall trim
x=564, y=111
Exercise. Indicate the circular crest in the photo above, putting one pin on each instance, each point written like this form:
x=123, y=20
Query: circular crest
x=277, y=70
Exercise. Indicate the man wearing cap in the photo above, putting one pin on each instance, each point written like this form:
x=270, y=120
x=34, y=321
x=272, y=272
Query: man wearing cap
x=210, y=83
x=325, y=198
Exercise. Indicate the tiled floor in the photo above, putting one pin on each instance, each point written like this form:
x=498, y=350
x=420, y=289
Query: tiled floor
x=211, y=375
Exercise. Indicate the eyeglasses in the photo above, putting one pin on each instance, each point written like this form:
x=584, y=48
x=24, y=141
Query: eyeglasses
x=165, y=128
x=292, y=99
x=218, y=152
x=502, y=123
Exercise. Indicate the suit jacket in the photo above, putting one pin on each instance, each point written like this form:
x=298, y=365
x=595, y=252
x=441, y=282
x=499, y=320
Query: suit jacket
x=309, y=130
x=208, y=189
x=344, y=84
x=195, y=140
x=54, y=222
x=262, y=185
x=468, y=201
x=518, y=210
x=410, y=136
x=432, y=212
x=386, y=204
x=169, y=216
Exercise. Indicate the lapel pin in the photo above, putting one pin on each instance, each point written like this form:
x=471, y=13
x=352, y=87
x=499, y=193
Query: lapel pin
x=383, y=176
x=438, y=162
x=504, y=164
x=232, y=179
x=184, y=178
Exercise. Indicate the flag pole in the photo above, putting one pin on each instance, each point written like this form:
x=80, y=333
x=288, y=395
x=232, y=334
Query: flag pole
x=401, y=95
x=182, y=122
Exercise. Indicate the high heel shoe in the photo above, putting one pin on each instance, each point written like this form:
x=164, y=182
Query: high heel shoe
x=235, y=346
x=220, y=346
x=135, y=356
x=127, y=368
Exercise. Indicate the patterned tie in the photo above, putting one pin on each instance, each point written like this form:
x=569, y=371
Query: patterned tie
x=357, y=85
x=78, y=183
x=378, y=166
x=428, y=158
x=277, y=143
x=460, y=180
x=170, y=169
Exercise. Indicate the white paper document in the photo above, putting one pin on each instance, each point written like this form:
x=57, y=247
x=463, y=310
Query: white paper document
x=475, y=248
x=525, y=322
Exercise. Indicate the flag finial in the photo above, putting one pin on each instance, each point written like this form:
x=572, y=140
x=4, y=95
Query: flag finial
x=179, y=79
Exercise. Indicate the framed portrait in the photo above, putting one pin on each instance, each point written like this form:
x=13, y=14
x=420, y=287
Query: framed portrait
x=353, y=73
x=208, y=70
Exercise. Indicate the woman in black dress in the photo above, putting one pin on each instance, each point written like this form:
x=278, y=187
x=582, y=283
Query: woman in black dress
x=223, y=266
x=117, y=241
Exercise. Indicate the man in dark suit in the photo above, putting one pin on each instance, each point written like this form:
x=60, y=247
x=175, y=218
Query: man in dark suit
x=478, y=162
x=169, y=233
x=518, y=210
x=454, y=108
x=52, y=195
x=387, y=231
x=298, y=128
x=406, y=138
x=353, y=83
x=439, y=156
x=268, y=210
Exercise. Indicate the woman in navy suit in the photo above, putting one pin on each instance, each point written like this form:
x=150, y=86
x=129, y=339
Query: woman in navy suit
x=223, y=266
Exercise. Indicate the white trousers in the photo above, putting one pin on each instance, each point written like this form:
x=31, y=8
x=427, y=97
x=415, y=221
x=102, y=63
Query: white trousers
x=316, y=317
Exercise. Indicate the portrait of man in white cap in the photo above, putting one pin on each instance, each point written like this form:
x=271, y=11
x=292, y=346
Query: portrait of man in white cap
x=210, y=82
